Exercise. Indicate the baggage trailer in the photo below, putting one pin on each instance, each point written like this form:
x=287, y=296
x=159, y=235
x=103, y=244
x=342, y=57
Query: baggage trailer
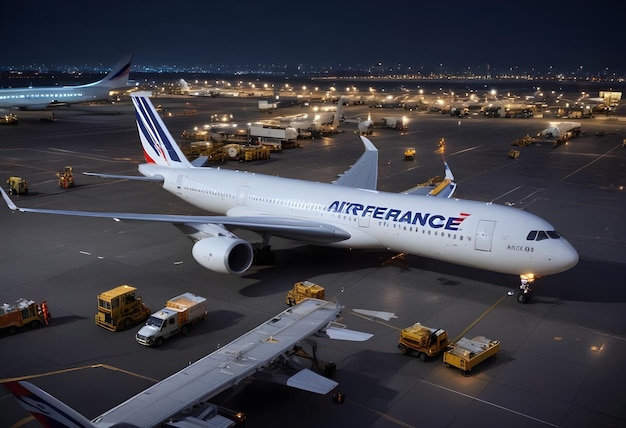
x=465, y=353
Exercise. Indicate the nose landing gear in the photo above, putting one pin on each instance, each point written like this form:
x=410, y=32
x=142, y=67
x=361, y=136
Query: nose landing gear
x=525, y=292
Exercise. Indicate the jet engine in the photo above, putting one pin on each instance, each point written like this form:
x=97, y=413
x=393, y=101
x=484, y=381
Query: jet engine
x=223, y=254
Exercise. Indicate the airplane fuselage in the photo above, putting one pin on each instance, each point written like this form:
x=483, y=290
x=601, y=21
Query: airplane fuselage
x=471, y=233
x=41, y=98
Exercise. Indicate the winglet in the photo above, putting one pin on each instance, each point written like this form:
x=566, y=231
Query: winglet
x=8, y=200
x=49, y=411
x=364, y=173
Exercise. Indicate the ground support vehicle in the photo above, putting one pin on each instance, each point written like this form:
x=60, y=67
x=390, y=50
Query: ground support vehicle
x=66, y=178
x=409, y=154
x=465, y=353
x=304, y=290
x=120, y=308
x=17, y=186
x=178, y=315
x=423, y=342
x=514, y=154
x=23, y=313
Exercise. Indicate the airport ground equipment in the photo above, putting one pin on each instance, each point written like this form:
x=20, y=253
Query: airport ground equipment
x=466, y=353
x=421, y=341
x=304, y=290
x=23, y=313
x=66, y=177
x=8, y=119
x=17, y=186
x=178, y=315
x=409, y=154
x=514, y=154
x=120, y=308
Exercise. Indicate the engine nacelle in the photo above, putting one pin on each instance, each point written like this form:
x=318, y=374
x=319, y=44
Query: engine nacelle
x=223, y=254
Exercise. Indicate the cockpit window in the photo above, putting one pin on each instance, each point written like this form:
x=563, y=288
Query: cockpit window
x=540, y=235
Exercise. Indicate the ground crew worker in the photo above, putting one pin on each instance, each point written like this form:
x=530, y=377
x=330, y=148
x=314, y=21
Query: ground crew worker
x=44, y=311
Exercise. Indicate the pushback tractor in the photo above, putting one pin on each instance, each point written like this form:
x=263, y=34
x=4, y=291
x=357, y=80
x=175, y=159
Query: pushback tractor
x=120, y=308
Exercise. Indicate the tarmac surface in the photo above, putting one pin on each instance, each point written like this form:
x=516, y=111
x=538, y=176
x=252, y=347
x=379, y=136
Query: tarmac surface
x=560, y=363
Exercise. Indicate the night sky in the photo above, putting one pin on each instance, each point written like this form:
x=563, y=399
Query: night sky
x=446, y=35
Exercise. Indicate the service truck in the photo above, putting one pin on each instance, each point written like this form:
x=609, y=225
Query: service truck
x=23, y=313
x=120, y=308
x=466, y=353
x=304, y=290
x=178, y=315
x=267, y=106
x=421, y=341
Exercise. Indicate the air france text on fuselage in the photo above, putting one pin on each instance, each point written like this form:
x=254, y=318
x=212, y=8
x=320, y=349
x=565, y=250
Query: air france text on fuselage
x=436, y=221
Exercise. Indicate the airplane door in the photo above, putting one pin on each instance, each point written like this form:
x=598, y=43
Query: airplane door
x=242, y=195
x=364, y=221
x=179, y=184
x=484, y=235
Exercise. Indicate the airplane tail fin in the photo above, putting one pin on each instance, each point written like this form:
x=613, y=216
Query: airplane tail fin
x=49, y=411
x=338, y=117
x=158, y=144
x=118, y=76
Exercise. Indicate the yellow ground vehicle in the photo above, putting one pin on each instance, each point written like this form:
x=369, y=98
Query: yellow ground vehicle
x=423, y=342
x=304, y=290
x=66, y=177
x=23, y=313
x=514, y=154
x=17, y=186
x=409, y=154
x=465, y=353
x=120, y=308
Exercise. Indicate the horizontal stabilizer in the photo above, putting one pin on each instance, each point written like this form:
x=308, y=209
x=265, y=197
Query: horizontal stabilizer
x=338, y=333
x=153, y=179
x=200, y=161
x=308, y=380
x=375, y=314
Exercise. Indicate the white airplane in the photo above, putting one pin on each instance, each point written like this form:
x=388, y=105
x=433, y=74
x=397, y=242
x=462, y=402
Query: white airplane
x=348, y=213
x=269, y=352
x=42, y=98
x=319, y=119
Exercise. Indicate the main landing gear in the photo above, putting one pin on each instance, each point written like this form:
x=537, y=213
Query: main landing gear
x=263, y=254
x=525, y=292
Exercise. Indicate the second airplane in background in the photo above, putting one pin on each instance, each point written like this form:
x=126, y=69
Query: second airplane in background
x=42, y=98
x=348, y=213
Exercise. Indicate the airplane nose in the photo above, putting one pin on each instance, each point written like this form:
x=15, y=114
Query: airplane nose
x=567, y=256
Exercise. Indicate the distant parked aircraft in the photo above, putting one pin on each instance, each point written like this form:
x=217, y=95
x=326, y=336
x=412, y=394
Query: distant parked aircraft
x=43, y=98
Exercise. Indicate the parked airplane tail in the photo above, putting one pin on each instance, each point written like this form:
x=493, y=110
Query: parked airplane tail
x=158, y=144
x=118, y=76
x=49, y=411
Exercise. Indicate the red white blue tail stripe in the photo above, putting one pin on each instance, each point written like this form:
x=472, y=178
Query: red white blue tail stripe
x=49, y=412
x=158, y=145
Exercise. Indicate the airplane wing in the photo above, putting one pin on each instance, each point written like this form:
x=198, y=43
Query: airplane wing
x=304, y=230
x=258, y=351
x=153, y=179
x=441, y=188
x=364, y=173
